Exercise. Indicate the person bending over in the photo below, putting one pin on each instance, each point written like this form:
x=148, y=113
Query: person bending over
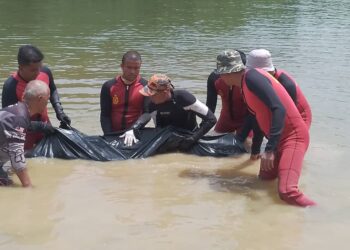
x=279, y=120
x=178, y=108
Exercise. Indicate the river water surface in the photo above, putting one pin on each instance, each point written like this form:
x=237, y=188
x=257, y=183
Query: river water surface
x=178, y=201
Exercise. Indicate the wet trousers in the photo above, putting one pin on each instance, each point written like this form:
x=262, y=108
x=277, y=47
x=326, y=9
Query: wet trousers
x=287, y=166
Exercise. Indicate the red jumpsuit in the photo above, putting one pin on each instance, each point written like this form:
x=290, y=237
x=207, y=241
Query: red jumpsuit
x=289, y=134
x=121, y=104
x=233, y=108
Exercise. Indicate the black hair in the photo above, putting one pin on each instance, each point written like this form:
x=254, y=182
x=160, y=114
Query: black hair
x=28, y=54
x=131, y=54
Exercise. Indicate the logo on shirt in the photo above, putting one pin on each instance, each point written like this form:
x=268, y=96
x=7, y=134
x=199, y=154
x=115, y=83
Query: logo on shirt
x=115, y=99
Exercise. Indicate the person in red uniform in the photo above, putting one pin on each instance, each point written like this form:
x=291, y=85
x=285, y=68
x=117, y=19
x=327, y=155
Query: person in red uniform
x=261, y=58
x=279, y=120
x=120, y=100
x=233, y=109
x=30, y=67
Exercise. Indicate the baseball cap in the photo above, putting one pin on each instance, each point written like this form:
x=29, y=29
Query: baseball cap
x=157, y=82
x=229, y=61
x=260, y=58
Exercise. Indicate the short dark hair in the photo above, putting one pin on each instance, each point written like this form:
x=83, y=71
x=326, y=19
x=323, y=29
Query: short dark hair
x=28, y=54
x=131, y=54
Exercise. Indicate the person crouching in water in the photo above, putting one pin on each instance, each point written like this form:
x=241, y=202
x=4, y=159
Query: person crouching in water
x=14, y=122
x=178, y=108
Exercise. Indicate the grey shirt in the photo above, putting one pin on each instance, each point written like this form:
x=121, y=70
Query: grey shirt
x=14, y=121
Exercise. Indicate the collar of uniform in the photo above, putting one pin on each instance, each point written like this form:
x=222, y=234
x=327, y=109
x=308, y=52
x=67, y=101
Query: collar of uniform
x=19, y=77
x=126, y=82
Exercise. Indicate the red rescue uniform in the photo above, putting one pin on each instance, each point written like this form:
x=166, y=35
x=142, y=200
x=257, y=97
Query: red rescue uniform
x=293, y=139
x=121, y=104
x=297, y=95
x=233, y=111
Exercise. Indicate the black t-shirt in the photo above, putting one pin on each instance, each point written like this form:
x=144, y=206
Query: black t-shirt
x=180, y=111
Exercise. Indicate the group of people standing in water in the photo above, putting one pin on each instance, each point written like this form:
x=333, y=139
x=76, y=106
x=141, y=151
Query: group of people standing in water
x=258, y=100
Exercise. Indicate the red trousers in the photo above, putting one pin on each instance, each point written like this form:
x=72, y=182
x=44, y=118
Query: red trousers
x=288, y=164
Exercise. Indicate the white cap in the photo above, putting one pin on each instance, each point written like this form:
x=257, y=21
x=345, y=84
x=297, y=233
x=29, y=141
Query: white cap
x=260, y=58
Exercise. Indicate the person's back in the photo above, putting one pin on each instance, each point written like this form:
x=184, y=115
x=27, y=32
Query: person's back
x=296, y=94
x=173, y=112
x=262, y=113
x=262, y=59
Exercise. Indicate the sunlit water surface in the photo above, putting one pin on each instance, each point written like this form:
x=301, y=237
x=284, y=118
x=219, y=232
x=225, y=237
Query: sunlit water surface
x=178, y=201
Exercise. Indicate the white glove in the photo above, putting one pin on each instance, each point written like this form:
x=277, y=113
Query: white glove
x=129, y=138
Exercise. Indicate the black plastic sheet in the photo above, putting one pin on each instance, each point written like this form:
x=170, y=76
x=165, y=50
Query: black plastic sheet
x=72, y=144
